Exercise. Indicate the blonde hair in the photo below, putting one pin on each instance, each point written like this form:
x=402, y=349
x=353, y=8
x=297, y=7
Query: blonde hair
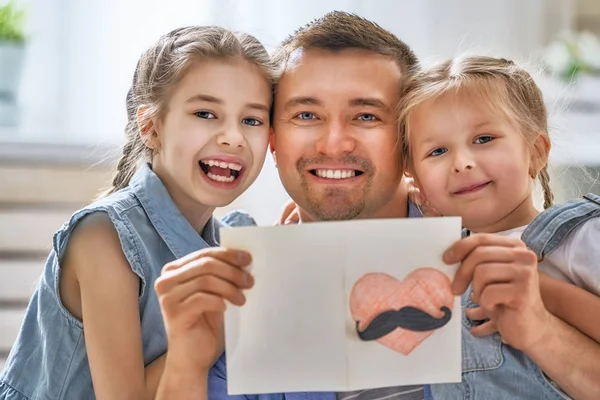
x=499, y=82
x=162, y=66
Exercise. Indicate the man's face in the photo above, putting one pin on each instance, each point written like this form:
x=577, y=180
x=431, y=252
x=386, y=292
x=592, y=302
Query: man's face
x=336, y=134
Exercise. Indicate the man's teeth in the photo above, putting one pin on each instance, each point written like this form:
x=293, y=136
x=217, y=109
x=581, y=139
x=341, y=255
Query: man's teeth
x=222, y=164
x=220, y=178
x=336, y=173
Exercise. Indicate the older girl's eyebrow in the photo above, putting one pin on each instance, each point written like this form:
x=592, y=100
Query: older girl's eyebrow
x=212, y=99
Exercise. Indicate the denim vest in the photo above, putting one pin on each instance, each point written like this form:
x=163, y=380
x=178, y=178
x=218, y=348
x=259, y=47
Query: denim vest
x=492, y=370
x=49, y=359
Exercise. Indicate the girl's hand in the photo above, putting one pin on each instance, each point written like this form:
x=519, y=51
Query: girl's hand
x=192, y=292
x=504, y=275
x=487, y=327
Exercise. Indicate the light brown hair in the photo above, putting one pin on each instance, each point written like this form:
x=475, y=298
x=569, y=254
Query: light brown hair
x=501, y=84
x=337, y=31
x=162, y=66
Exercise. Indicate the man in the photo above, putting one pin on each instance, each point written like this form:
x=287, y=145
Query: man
x=335, y=139
x=335, y=142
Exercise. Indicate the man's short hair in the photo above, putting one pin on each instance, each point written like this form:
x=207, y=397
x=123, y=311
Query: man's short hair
x=338, y=30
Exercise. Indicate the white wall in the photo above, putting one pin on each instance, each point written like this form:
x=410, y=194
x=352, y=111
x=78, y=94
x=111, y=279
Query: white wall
x=42, y=80
x=83, y=53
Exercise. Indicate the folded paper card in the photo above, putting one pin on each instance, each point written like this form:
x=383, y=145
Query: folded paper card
x=348, y=305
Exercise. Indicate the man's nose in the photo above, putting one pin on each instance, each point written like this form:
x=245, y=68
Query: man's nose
x=336, y=140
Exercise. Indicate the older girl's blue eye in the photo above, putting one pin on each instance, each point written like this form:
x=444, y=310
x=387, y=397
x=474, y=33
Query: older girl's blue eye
x=438, y=152
x=205, y=115
x=251, y=122
x=483, y=139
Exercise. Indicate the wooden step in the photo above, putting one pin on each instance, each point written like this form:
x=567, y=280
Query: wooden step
x=30, y=230
x=70, y=187
x=19, y=279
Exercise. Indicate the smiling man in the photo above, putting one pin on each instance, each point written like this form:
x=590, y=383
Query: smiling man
x=336, y=145
x=335, y=125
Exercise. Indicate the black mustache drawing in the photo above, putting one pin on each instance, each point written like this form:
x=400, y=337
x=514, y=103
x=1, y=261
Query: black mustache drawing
x=409, y=318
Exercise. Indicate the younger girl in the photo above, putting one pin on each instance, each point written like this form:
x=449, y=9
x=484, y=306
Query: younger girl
x=196, y=139
x=475, y=136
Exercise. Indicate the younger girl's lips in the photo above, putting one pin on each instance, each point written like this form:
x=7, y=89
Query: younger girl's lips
x=471, y=188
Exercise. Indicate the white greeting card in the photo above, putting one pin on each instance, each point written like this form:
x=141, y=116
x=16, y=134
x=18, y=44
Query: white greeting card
x=348, y=305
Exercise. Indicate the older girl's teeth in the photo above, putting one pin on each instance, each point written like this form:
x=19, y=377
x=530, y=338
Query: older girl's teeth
x=220, y=178
x=222, y=164
x=335, y=174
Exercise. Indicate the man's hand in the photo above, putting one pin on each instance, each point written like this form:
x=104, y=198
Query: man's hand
x=505, y=282
x=290, y=214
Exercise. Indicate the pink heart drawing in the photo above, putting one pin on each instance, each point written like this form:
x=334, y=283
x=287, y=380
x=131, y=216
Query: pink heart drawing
x=427, y=289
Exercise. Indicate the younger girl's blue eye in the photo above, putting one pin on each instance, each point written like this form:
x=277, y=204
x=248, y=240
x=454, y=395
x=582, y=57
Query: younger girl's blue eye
x=438, y=152
x=205, y=115
x=483, y=139
x=251, y=122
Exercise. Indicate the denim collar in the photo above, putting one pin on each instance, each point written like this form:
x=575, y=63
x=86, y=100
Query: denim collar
x=171, y=225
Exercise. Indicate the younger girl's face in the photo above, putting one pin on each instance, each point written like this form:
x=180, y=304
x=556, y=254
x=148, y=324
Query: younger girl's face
x=214, y=136
x=470, y=162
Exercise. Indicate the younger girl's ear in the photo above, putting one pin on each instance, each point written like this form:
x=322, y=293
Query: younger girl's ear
x=147, y=128
x=272, y=145
x=540, y=154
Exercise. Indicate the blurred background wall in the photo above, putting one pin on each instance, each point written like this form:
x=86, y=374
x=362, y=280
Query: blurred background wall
x=65, y=123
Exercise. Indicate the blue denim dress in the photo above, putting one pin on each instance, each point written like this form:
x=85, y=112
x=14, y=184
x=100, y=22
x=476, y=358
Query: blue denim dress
x=492, y=370
x=49, y=359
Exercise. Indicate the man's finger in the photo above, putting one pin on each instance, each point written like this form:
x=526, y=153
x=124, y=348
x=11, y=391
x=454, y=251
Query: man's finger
x=286, y=210
x=293, y=218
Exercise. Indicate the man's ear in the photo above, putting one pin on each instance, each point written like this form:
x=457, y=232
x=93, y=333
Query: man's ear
x=272, y=145
x=148, y=128
x=540, y=154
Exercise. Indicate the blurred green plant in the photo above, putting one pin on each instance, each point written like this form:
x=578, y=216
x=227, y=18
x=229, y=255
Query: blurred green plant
x=573, y=54
x=12, y=22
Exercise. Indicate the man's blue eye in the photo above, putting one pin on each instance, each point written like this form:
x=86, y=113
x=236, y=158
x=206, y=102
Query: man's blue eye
x=306, y=116
x=367, y=117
